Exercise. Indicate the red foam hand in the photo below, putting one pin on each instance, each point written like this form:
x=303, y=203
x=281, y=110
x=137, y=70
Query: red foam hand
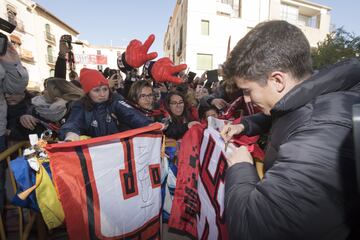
x=164, y=70
x=137, y=53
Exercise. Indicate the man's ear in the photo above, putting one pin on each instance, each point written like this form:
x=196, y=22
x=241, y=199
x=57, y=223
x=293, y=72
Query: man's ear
x=278, y=80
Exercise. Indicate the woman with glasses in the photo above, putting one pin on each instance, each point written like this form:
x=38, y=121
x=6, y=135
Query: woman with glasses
x=141, y=95
x=100, y=112
x=181, y=118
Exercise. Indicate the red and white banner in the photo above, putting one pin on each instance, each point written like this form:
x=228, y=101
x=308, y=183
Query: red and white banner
x=211, y=187
x=198, y=205
x=90, y=59
x=109, y=186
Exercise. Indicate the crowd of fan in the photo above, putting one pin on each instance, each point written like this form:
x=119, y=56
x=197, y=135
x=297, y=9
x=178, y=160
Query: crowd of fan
x=99, y=103
x=102, y=103
x=309, y=164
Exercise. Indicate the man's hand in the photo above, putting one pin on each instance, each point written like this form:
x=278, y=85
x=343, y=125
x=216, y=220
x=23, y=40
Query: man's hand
x=219, y=103
x=239, y=155
x=28, y=121
x=136, y=52
x=230, y=130
x=162, y=87
x=190, y=124
x=70, y=137
x=11, y=55
x=114, y=81
x=164, y=70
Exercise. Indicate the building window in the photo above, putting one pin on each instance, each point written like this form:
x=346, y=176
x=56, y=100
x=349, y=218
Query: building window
x=173, y=55
x=204, y=61
x=289, y=13
x=168, y=44
x=300, y=16
x=47, y=28
x=205, y=27
x=179, y=50
x=98, y=52
x=48, y=31
x=308, y=21
x=50, y=55
x=52, y=72
x=11, y=13
x=237, y=6
x=226, y=1
x=48, y=36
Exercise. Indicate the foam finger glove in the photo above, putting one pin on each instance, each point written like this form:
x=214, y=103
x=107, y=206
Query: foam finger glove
x=164, y=70
x=137, y=53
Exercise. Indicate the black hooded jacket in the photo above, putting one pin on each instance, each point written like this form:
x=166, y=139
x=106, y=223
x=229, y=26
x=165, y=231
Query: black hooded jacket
x=309, y=188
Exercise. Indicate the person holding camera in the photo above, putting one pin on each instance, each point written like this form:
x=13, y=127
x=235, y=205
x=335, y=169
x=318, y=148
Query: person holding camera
x=116, y=82
x=66, y=54
x=64, y=49
x=13, y=80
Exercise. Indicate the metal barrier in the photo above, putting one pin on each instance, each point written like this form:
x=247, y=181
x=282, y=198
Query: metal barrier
x=24, y=229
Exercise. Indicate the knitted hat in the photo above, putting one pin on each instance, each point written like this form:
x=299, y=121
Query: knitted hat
x=90, y=78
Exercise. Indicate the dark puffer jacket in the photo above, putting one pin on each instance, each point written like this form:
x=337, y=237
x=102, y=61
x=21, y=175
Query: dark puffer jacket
x=309, y=188
x=105, y=119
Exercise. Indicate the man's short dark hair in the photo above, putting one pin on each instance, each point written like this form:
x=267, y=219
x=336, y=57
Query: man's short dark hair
x=270, y=46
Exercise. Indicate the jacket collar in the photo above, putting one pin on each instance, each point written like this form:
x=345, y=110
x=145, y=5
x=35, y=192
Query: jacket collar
x=339, y=77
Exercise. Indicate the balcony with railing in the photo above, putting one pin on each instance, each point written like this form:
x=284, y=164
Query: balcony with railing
x=308, y=20
x=301, y=15
x=26, y=55
x=49, y=37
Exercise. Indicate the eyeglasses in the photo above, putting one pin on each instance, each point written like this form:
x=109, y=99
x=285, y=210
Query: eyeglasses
x=146, y=95
x=177, y=103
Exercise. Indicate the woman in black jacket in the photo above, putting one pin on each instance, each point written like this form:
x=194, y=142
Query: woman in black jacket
x=100, y=112
x=181, y=117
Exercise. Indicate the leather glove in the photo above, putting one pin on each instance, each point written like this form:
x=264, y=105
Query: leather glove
x=164, y=70
x=136, y=52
